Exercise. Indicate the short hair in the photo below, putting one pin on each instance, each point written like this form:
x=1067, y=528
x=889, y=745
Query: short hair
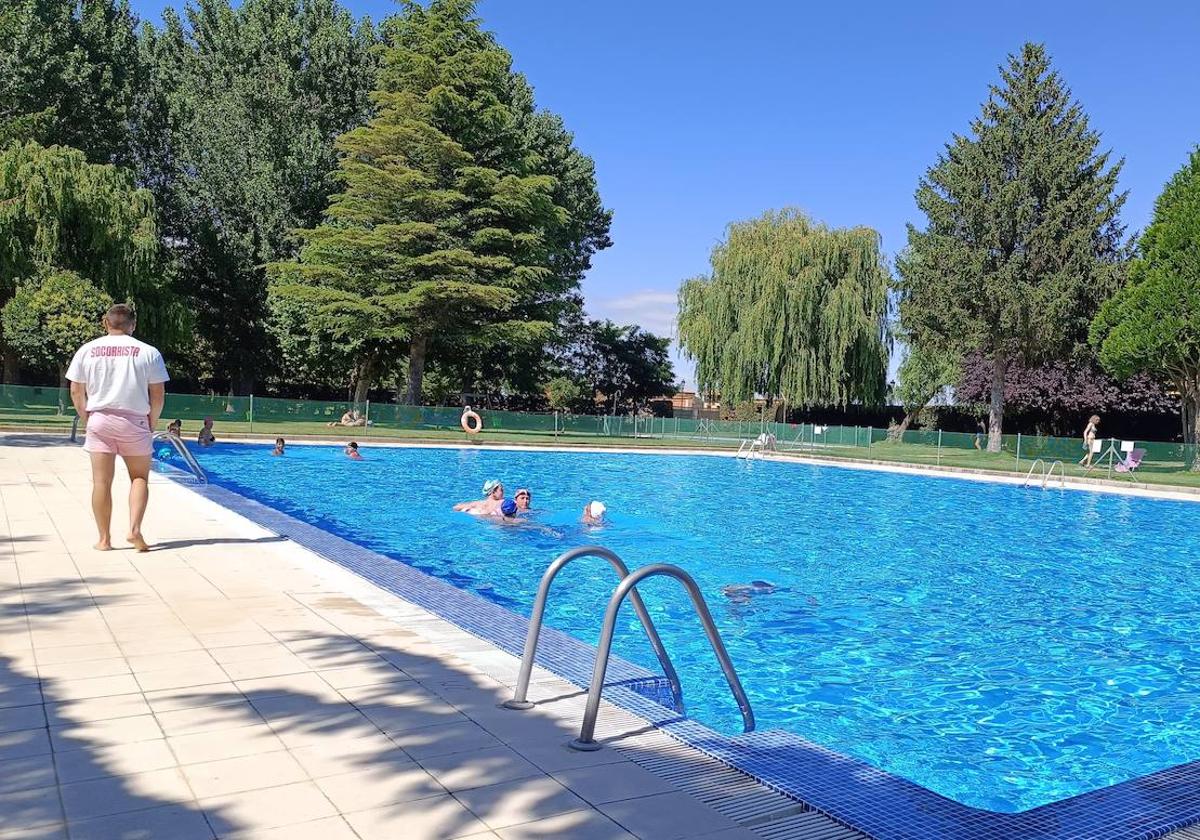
x=120, y=316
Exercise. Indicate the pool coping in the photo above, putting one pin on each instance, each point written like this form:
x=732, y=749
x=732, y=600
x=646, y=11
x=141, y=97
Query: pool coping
x=846, y=789
x=1126, y=487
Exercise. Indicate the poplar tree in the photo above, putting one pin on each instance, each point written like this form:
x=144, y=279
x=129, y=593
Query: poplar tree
x=237, y=121
x=445, y=225
x=1153, y=324
x=69, y=73
x=793, y=310
x=1022, y=239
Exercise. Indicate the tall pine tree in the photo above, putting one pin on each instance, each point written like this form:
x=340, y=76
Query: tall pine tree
x=1022, y=241
x=446, y=224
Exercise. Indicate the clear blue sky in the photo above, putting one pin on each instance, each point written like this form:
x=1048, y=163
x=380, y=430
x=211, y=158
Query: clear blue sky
x=700, y=113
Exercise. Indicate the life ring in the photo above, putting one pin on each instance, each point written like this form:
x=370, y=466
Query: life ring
x=471, y=422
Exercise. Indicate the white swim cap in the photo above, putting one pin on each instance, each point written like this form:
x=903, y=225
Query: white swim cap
x=596, y=509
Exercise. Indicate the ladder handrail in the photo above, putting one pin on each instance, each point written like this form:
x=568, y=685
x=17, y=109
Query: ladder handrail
x=1034, y=466
x=187, y=456
x=1062, y=475
x=520, y=700
x=586, y=740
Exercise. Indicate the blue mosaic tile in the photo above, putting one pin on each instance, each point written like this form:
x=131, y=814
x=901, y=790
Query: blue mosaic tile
x=845, y=789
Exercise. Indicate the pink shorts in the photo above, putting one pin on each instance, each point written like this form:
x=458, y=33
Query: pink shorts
x=118, y=433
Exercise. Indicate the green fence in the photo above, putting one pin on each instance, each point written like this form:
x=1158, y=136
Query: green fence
x=1168, y=463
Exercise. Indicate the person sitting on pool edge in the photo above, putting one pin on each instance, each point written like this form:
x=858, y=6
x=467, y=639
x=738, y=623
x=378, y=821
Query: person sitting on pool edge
x=175, y=428
x=489, y=505
x=593, y=513
x=206, y=436
x=279, y=444
x=352, y=452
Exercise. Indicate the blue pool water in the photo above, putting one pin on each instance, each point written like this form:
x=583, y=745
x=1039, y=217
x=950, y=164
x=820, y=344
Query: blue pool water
x=1003, y=647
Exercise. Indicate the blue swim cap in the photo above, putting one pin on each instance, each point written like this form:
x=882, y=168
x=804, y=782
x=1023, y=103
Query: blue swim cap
x=508, y=507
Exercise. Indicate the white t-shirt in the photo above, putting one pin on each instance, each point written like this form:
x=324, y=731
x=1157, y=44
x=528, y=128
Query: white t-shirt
x=117, y=370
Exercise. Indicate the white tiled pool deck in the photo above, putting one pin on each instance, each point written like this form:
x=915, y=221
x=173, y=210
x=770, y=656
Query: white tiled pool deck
x=233, y=684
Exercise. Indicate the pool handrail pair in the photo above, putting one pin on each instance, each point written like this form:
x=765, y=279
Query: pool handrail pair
x=625, y=588
x=1047, y=473
x=188, y=458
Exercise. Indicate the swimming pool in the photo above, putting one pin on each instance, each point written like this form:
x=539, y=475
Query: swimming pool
x=1002, y=647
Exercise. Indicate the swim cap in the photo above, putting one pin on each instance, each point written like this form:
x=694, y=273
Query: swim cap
x=597, y=509
x=490, y=485
x=508, y=507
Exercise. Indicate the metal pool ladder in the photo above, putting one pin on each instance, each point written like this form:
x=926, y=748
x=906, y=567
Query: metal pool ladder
x=625, y=588
x=1047, y=473
x=187, y=456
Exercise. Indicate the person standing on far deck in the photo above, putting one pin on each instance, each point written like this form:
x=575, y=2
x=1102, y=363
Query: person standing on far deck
x=118, y=386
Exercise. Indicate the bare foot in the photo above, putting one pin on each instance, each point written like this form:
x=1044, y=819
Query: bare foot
x=137, y=542
x=103, y=545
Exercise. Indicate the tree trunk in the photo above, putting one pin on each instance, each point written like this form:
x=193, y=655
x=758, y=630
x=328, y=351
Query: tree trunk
x=64, y=390
x=416, y=369
x=12, y=367
x=897, y=434
x=996, y=410
x=245, y=383
x=1190, y=403
x=364, y=379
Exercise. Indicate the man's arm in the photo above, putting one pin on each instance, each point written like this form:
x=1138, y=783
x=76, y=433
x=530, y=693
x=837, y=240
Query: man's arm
x=79, y=399
x=158, y=395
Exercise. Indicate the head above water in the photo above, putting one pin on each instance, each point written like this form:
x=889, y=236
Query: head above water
x=279, y=441
x=524, y=498
x=492, y=487
x=120, y=319
x=508, y=507
x=353, y=445
x=596, y=510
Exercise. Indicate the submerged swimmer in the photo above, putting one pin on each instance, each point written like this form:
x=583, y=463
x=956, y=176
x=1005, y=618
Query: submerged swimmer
x=741, y=593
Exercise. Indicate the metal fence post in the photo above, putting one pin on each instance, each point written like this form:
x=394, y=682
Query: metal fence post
x=251, y=414
x=870, y=433
x=367, y=419
x=1018, y=466
x=556, y=422
x=939, y=452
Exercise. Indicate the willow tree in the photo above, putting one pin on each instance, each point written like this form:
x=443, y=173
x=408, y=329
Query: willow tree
x=792, y=309
x=60, y=213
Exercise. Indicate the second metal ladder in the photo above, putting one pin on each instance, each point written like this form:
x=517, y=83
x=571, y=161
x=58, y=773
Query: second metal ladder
x=1047, y=473
x=625, y=588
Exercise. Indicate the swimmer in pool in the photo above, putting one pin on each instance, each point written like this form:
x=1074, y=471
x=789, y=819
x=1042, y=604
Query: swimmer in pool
x=352, y=452
x=279, y=445
x=524, y=500
x=741, y=593
x=593, y=513
x=489, y=505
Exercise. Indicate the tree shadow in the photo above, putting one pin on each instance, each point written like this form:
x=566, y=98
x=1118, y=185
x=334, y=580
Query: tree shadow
x=37, y=440
x=56, y=763
x=391, y=735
